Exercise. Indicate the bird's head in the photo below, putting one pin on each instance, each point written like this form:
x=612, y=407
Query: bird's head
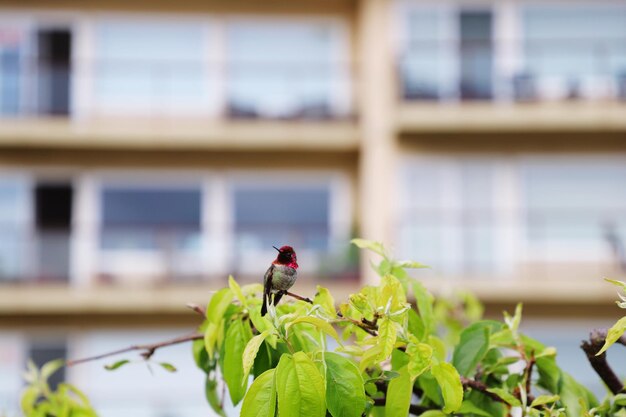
x=286, y=256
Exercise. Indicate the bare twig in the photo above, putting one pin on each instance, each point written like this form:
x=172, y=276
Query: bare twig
x=599, y=363
x=298, y=297
x=201, y=311
x=357, y=323
x=147, y=349
x=528, y=372
x=480, y=386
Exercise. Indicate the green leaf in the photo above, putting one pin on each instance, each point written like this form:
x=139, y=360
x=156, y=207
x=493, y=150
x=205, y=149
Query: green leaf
x=450, y=383
x=387, y=334
x=29, y=396
x=429, y=385
x=324, y=298
x=236, y=289
x=260, y=401
x=544, y=399
x=420, y=356
x=345, y=392
x=250, y=352
x=218, y=304
x=116, y=365
x=300, y=387
x=614, y=333
x=549, y=374
x=210, y=338
x=572, y=392
x=513, y=322
x=168, y=366
x=468, y=407
x=411, y=265
x=506, y=396
x=51, y=367
x=399, y=395
x=375, y=247
x=210, y=392
x=200, y=355
x=369, y=357
x=471, y=349
x=235, y=343
x=433, y=413
x=620, y=284
x=424, y=302
x=322, y=325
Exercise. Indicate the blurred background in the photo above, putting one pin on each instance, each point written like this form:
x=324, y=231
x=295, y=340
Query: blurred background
x=149, y=149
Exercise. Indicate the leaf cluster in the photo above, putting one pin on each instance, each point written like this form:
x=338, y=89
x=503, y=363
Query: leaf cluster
x=39, y=400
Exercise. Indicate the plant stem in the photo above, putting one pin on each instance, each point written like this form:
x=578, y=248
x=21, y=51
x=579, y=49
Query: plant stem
x=599, y=363
x=148, y=349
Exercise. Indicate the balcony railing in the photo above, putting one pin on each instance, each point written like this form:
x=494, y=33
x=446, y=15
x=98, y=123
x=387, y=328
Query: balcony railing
x=162, y=255
x=513, y=70
x=535, y=244
x=162, y=88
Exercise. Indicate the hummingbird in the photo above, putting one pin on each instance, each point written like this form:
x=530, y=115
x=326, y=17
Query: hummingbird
x=280, y=276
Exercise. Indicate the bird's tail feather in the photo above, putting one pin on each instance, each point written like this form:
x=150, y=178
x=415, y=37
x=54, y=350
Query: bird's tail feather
x=264, y=307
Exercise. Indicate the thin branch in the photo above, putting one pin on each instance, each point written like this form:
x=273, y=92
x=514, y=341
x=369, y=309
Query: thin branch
x=599, y=363
x=480, y=386
x=366, y=325
x=528, y=372
x=201, y=311
x=357, y=323
x=298, y=297
x=147, y=349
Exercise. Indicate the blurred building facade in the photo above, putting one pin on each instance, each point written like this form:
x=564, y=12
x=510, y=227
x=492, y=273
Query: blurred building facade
x=148, y=150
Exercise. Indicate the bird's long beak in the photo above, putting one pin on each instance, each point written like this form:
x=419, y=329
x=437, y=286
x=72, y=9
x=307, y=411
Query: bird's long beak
x=277, y=249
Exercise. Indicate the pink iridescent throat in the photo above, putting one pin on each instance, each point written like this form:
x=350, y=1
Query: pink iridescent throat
x=290, y=264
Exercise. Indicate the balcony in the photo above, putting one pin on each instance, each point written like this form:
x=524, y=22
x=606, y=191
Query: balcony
x=186, y=105
x=479, y=85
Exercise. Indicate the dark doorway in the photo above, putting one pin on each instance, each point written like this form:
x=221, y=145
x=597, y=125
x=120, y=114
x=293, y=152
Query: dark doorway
x=55, y=52
x=53, y=215
x=476, y=55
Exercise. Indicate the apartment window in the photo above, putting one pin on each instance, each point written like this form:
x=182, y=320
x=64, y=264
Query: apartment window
x=151, y=67
x=12, y=42
x=147, y=218
x=14, y=245
x=428, y=60
x=575, y=50
x=448, y=54
x=476, y=54
x=276, y=215
x=285, y=69
x=576, y=205
x=447, y=215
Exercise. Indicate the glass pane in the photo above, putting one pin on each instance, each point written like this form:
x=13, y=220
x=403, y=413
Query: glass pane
x=427, y=66
x=281, y=69
x=145, y=66
x=271, y=216
x=150, y=218
x=575, y=41
x=447, y=221
x=575, y=201
x=13, y=229
x=11, y=48
x=476, y=55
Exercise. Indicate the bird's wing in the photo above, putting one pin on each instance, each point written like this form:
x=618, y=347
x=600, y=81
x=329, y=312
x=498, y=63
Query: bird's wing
x=267, y=288
x=267, y=280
